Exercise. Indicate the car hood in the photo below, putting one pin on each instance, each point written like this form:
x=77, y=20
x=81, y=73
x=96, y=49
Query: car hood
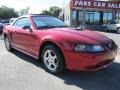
x=85, y=36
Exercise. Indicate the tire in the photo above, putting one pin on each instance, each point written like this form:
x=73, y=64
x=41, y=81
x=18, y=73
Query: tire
x=53, y=59
x=1, y=32
x=118, y=30
x=7, y=44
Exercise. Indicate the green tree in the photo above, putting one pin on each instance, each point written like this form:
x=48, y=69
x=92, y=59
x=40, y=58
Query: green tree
x=54, y=11
x=24, y=11
x=46, y=12
x=6, y=13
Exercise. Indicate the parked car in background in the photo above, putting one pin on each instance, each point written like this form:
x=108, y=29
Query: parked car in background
x=5, y=22
x=1, y=28
x=48, y=39
x=113, y=25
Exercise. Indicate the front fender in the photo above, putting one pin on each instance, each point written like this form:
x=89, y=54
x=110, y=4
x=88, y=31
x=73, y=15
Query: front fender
x=61, y=43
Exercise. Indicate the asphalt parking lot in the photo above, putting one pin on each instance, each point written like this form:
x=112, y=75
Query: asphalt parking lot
x=21, y=72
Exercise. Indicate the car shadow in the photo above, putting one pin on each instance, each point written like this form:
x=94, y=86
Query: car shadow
x=107, y=79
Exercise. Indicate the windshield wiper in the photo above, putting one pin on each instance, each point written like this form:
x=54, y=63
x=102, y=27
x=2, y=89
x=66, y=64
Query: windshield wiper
x=61, y=26
x=46, y=27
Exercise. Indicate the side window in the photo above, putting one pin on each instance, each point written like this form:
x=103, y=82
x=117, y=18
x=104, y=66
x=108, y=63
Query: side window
x=22, y=22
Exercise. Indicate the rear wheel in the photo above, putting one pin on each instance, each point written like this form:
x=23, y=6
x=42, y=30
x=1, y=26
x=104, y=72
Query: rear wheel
x=106, y=29
x=53, y=59
x=7, y=44
x=118, y=30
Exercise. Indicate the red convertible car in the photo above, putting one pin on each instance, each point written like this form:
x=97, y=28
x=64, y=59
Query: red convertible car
x=48, y=39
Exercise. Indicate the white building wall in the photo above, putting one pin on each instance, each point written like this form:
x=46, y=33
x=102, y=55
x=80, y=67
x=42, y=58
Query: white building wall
x=67, y=14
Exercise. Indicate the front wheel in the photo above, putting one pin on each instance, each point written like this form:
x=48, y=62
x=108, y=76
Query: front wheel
x=7, y=44
x=53, y=59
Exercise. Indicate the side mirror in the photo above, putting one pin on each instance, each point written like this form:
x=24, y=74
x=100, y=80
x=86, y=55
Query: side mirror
x=28, y=27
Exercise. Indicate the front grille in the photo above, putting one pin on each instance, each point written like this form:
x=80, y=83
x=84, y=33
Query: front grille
x=111, y=45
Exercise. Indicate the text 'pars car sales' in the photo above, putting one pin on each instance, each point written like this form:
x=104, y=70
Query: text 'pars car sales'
x=96, y=4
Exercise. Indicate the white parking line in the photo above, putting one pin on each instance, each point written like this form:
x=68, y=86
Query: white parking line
x=4, y=53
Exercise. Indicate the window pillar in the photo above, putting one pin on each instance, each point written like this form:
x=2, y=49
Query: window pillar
x=101, y=18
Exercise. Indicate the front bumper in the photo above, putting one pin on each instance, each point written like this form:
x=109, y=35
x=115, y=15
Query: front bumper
x=89, y=61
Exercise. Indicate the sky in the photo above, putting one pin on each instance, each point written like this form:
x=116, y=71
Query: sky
x=35, y=5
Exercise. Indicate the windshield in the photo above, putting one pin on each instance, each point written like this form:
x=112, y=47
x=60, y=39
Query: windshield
x=48, y=22
x=114, y=22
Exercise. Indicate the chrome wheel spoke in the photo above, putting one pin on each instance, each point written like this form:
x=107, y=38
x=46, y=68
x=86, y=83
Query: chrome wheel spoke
x=49, y=65
x=55, y=66
x=49, y=53
x=46, y=58
x=54, y=57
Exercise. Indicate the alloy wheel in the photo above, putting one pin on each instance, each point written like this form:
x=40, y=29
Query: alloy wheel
x=118, y=31
x=50, y=60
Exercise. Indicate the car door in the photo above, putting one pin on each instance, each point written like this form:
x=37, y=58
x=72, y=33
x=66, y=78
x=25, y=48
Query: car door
x=23, y=38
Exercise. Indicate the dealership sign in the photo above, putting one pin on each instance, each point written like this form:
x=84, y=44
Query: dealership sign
x=96, y=4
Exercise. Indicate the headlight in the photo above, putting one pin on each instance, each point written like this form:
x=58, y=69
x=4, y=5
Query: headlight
x=89, y=48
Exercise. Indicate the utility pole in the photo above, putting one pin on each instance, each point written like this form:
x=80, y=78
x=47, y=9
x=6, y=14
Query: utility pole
x=41, y=6
x=63, y=9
